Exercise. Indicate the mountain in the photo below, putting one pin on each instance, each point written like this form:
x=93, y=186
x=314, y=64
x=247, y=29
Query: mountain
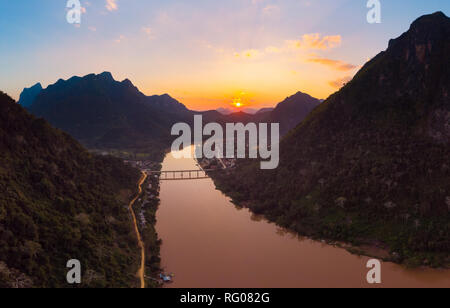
x=292, y=111
x=225, y=111
x=167, y=103
x=250, y=110
x=370, y=165
x=101, y=112
x=235, y=117
x=104, y=114
x=28, y=95
x=240, y=117
x=289, y=113
x=59, y=202
x=264, y=110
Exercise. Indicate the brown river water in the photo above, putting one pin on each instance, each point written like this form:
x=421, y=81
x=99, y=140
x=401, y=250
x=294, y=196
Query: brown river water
x=209, y=243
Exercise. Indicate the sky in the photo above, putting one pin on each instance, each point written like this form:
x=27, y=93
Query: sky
x=205, y=53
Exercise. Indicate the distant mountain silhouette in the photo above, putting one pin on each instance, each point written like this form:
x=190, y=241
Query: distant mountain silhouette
x=288, y=113
x=264, y=110
x=371, y=164
x=103, y=113
x=228, y=111
x=28, y=95
x=58, y=202
x=250, y=110
x=225, y=111
x=292, y=111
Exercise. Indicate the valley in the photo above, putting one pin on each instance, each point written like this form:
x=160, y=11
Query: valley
x=87, y=173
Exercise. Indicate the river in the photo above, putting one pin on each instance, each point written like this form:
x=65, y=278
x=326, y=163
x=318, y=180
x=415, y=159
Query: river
x=208, y=242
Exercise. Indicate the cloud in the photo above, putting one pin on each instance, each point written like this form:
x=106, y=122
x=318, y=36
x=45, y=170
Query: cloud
x=339, y=83
x=302, y=47
x=250, y=53
x=212, y=47
x=306, y=3
x=256, y=2
x=273, y=49
x=120, y=39
x=149, y=32
x=111, y=5
x=334, y=64
x=316, y=41
x=270, y=9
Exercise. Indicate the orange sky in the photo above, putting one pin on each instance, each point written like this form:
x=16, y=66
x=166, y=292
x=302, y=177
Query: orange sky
x=259, y=77
x=204, y=53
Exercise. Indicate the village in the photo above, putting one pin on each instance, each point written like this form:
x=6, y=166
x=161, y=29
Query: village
x=144, y=165
x=146, y=206
x=145, y=210
x=216, y=163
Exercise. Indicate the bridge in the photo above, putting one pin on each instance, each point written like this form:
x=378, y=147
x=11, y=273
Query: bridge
x=177, y=175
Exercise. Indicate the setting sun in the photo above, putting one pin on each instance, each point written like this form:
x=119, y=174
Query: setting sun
x=237, y=102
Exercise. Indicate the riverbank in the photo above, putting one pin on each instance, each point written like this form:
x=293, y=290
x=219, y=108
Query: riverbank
x=141, y=272
x=311, y=226
x=210, y=243
x=145, y=209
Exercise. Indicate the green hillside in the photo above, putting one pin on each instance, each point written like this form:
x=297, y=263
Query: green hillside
x=58, y=202
x=371, y=164
x=102, y=113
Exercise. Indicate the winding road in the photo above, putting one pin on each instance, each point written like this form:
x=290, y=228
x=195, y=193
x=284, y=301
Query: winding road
x=138, y=234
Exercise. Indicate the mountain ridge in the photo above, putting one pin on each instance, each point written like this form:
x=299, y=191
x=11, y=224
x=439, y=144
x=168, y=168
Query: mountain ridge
x=370, y=164
x=28, y=95
x=60, y=202
x=101, y=112
x=291, y=111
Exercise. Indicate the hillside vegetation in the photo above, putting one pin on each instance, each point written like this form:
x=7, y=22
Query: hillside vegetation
x=102, y=113
x=371, y=164
x=57, y=203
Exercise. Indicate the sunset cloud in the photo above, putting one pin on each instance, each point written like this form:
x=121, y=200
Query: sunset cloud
x=339, y=83
x=149, y=32
x=256, y=2
x=111, y=5
x=250, y=53
x=270, y=9
x=273, y=49
x=307, y=43
x=193, y=54
x=317, y=42
x=120, y=39
x=334, y=64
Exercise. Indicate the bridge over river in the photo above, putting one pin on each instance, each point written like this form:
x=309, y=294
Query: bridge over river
x=178, y=175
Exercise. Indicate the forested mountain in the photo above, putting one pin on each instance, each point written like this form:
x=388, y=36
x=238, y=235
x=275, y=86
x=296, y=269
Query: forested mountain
x=289, y=113
x=371, y=164
x=292, y=111
x=103, y=113
x=264, y=110
x=57, y=203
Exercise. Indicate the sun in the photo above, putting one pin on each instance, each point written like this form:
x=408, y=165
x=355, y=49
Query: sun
x=237, y=102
